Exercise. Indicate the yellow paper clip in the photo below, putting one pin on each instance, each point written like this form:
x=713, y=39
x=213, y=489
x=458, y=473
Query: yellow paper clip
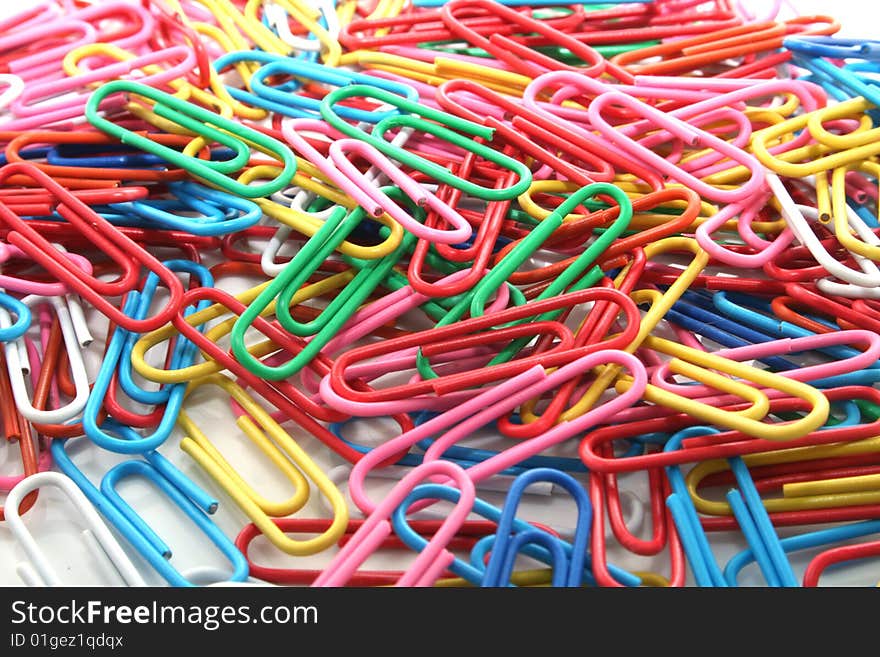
x=284, y=453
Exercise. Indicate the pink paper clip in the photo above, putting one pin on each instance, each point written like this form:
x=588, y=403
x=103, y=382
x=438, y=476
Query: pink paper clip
x=130, y=26
x=25, y=286
x=291, y=130
x=747, y=212
x=39, y=105
x=433, y=560
x=690, y=135
x=385, y=310
x=350, y=180
x=46, y=62
x=461, y=228
x=461, y=421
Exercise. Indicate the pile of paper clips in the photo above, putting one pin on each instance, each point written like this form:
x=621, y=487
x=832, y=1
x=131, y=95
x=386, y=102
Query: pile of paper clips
x=628, y=240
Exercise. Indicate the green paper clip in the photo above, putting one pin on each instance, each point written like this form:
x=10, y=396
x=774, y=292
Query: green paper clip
x=420, y=117
x=202, y=122
x=371, y=274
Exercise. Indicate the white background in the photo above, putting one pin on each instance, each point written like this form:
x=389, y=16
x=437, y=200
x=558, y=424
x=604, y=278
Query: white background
x=57, y=532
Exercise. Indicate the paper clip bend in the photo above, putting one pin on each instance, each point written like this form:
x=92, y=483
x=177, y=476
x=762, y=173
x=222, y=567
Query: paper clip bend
x=432, y=560
x=71, y=331
x=12, y=306
x=284, y=452
x=203, y=123
x=508, y=541
x=40, y=571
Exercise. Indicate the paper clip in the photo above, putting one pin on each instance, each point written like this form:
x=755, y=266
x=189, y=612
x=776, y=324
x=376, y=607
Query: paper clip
x=810, y=540
x=473, y=571
x=118, y=22
x=22, y=313
x=203, y=123
x=750, y=514
x=192, y=500
x=428, y=25
x=432, y=560
x=689, y=134
x=234, y=22
x=300, y=105
x=418, y=117
x=491, y=404
x=519, y=57
x=282, y=289
x=680, y=56
x=35, y=456
x=506, y=544
x=470, y=531
x=25, y=286
x=122, y=341
x=281, y=449
x=837, y=556
x=416, y=395
x=724, y=445
x=804, y=501
x=819, y=157
x=120, y=248
x=40, y=572
x=72, y=330
x=38, y=106
x=30, y=66
x=221, y=213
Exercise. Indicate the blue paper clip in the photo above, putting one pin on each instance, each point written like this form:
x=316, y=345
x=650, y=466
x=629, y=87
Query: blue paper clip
x=295, y=105
x=506, y=545
x=749, y=512
x=222, y=213
x=28, y=153
x=186, y=494
x=834, y=47
x=115, y=156
x=285, y=100
x=184, y=350
x=108, y=156
x=810, y=540
x=829, y=75
x=473, y=572
x=137, y=305
x=144, y=469
x=22, y=318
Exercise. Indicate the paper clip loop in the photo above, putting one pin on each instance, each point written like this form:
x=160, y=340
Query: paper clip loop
x=124, y=251
x=433, y=559
x=122, y=342
x=567, y=568
x=204, y=123
x=14, y=330
x=281, y=449
x=40, y=572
